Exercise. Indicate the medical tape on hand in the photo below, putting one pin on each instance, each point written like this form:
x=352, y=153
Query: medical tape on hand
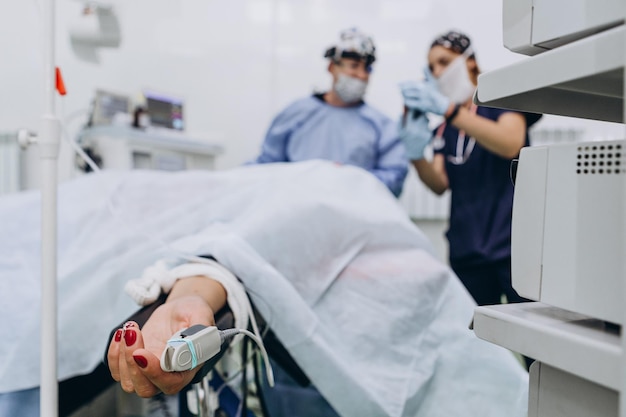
x=157, y=277
x=236, y=296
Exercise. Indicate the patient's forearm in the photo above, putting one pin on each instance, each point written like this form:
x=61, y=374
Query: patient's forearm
x=210, y=290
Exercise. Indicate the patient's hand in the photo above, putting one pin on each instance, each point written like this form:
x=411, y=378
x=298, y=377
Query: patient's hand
x=134, y=355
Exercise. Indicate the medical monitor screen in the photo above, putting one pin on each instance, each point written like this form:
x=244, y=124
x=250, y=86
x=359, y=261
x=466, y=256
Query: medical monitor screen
x=107, y=105
x=165, y=111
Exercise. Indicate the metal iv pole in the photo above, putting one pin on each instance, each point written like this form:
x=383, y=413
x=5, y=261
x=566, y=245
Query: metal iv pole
x=48, y=142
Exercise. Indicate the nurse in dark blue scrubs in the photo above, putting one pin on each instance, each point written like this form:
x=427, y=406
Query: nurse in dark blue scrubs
x=473, y=152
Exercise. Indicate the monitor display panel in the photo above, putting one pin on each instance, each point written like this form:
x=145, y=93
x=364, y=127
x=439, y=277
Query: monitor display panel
x=165, y=110
x=106, y=105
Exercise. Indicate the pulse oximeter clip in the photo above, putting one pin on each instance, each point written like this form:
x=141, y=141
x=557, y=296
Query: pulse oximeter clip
x=197, y=344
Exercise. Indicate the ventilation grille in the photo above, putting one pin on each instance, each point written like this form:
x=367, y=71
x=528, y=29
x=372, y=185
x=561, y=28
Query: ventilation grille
x=601, y=159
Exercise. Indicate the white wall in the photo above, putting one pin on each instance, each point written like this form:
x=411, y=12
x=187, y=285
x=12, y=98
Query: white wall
x=238, y=62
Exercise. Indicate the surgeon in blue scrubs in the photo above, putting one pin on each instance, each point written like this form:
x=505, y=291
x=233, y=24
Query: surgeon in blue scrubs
x=338, y=125
x=473, y=148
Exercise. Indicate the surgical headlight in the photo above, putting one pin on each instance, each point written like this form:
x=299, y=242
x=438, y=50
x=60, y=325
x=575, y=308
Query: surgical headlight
x=353, y=44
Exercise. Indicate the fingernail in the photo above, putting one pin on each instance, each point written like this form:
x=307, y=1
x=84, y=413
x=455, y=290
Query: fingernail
x=130, y=337
x=118, y=335
x=128, y=324
x=141, y=361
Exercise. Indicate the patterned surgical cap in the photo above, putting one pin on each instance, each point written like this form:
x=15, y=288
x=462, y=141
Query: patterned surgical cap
x=454, y=41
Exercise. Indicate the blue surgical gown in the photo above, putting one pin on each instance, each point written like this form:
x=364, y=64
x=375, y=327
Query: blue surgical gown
x=358, y=135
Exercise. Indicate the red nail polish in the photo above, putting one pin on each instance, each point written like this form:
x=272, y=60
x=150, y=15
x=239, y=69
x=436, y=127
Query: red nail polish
x=141, y=361
x=118, y=335
x=130, y=337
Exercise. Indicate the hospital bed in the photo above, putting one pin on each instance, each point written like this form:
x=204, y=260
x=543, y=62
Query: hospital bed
x=346, y=282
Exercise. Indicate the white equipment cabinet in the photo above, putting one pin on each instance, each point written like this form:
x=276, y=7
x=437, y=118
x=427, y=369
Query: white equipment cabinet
x=569, y=223
x=128, y=148
x=534, y=26
x=566, y=211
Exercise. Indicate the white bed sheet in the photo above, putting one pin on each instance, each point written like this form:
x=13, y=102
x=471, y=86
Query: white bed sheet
x=349, y=284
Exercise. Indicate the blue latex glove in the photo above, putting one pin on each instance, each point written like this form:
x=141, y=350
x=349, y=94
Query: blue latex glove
x=415, y=135
x=424, y=95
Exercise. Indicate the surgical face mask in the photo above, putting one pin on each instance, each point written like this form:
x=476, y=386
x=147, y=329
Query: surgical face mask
x=350, y=89
x=455, y=82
